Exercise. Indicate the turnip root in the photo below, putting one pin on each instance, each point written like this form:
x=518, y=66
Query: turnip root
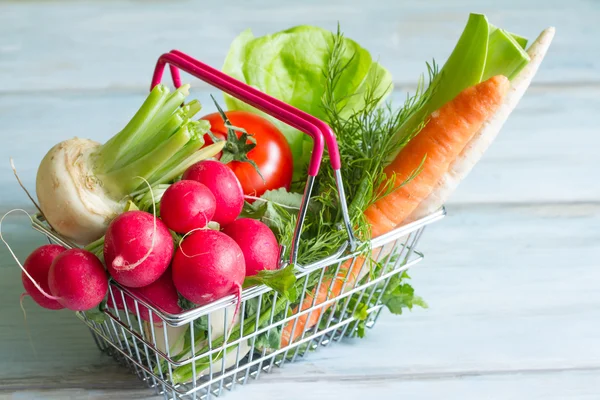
x=71, y=198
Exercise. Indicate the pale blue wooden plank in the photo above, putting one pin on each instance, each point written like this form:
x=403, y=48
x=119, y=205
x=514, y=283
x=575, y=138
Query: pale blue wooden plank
x=114, y=45
x=513, y=292
x=546, y=152
x=541, y=386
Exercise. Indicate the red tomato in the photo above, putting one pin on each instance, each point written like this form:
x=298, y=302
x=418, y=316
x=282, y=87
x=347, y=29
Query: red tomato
x=272, y=153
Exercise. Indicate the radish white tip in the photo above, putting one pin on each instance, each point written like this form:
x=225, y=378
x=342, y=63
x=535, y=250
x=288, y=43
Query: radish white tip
x=37, y=286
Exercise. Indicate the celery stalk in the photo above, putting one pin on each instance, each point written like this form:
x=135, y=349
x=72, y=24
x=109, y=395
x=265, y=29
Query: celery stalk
x=123, y=142
x=197, y=129
x=124, y=181
x=521, y=41
x=179, y=167
x=505, y=56
x=465, y=65
x=192, y=108
x=168, y=129
x=147, y=141
x=482, y=51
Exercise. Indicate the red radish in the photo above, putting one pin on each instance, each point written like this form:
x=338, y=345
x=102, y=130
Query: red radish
x=187, y=205
x=223, y=183
x=161, y=294
x=258, y=243
x=137, y=248
x=38, y=265
x=78, y=279
x=207, y=266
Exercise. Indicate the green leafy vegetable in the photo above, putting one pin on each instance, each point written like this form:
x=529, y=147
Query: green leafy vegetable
x=184, y=373
x=399, y=295
x=185, y=304
x=281, y=280
x=97, y=314
x=274, y=208
x=290, y=65
x=505, y=55
x=271, y=339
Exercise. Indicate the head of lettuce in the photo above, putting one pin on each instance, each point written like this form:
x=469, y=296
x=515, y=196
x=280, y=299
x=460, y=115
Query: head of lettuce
x=292, y=66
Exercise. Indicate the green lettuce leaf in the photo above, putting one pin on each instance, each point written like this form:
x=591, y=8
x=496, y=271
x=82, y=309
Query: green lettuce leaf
x=290, y=65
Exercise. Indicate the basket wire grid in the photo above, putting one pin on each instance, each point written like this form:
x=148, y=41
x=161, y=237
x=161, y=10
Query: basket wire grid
x=200, y=352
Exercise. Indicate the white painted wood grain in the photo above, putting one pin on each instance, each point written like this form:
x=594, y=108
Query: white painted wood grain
x=114, y=45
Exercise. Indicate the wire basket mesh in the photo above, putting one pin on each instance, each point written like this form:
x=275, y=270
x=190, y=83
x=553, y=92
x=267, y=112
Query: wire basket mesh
x=169, y=354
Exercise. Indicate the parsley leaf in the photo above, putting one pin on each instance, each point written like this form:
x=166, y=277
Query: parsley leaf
x=400, y=295
x=281, y=280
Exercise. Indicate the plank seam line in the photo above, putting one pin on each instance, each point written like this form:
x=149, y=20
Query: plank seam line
x=418, y=376
x=200, y=86
x=16, y=385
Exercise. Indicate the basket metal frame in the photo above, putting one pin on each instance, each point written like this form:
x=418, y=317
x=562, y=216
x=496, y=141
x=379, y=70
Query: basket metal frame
x=123, y=337
x=147, y=347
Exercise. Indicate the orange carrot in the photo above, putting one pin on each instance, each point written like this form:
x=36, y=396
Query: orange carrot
x=441, y=140
x=326, y=291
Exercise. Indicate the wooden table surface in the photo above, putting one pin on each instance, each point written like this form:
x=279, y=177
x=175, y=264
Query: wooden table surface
x=511, y=275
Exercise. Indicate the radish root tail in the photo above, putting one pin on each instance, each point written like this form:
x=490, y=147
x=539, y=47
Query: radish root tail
x=186, y=235
x=232, y=324
x=21, y=298
x=37, y=286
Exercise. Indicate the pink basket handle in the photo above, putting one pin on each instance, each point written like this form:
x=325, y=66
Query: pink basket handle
x=304, y=122
x=280, y=110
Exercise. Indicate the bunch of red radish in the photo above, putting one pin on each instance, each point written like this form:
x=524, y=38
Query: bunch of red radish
x=140, y=253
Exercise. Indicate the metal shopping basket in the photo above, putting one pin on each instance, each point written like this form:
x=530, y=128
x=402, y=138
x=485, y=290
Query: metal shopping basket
x=175, y=356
